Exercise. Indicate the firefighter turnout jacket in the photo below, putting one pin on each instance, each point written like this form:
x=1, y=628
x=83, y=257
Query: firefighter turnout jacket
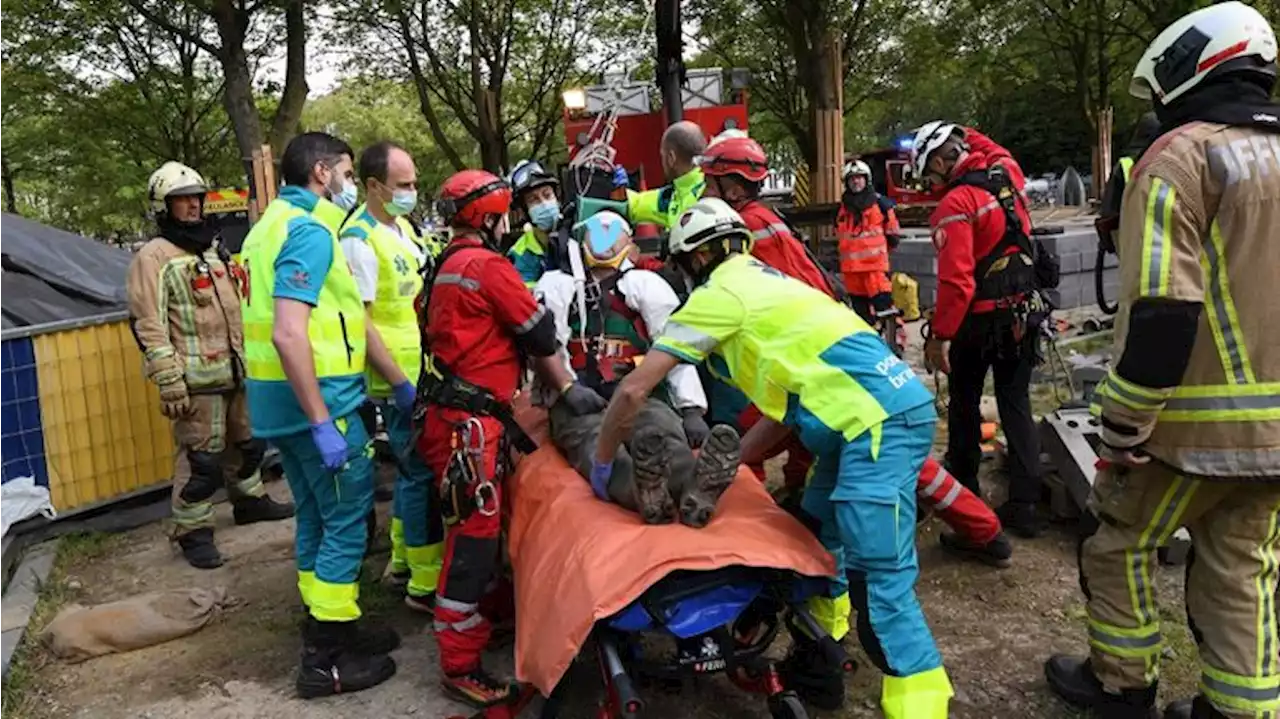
x=1200, y=236
x=185, y=311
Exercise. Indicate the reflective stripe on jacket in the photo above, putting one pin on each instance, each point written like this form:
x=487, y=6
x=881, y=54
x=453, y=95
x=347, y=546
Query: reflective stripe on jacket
x=863, y=247
x=1199, y=224
x=399, y=283
x=336, y=327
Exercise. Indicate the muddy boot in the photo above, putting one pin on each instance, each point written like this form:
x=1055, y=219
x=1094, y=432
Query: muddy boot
x=330, y=667
x=199, y=550
x=1072, y=678
x=479, y=688
x=996, y=553
x=713, y=472
x=260, y=509
x=652, y=466
x=1022, y=519
x=371, y=638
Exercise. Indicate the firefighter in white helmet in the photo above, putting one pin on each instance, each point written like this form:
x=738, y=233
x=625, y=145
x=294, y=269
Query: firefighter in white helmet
x=184, y=306
x=1190, y=411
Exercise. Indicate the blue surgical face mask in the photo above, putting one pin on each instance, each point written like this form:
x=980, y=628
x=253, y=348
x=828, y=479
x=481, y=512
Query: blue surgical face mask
x=402, y=203
x=348, y=198
x=545, y=215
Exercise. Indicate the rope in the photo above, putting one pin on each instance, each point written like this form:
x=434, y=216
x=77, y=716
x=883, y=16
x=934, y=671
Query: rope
x=598, y=152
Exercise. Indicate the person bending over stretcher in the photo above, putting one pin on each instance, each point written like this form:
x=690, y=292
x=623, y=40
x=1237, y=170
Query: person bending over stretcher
x=604, y=331
x=808, y=361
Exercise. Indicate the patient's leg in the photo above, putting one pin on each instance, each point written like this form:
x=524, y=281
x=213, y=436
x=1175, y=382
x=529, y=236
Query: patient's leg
x=575, y=437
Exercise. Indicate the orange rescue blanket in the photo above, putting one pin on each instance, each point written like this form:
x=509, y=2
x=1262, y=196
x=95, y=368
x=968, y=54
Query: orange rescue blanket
x=578, y=559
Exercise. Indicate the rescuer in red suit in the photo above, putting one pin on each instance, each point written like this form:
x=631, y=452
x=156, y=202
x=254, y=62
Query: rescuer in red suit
x=480, y=323
x=734, y=166
x=987, y=310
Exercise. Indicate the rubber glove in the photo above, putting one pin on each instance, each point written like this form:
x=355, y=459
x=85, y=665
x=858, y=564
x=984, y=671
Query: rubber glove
x=583, y=400
x=620, y=177
x=331, y=444
x=695, y=427
x=600, y=473
x=405, y=395
x=175, y=403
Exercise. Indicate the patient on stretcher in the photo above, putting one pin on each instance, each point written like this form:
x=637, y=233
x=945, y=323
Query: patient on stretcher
x=604, y=329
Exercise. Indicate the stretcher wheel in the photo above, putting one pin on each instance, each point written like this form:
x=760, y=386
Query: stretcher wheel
x=787, y=706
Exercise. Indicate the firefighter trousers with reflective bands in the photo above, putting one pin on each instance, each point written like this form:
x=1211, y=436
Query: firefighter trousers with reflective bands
x=331, y=509
x=215, y=448
x=471, y=545
x=1230, y=589
x=417, y=529
x=863, y=494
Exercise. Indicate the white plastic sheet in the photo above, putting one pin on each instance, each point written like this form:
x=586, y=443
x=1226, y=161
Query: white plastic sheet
x=21, y=498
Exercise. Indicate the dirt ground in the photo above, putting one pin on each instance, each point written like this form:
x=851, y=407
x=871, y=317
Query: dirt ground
x=994, y=628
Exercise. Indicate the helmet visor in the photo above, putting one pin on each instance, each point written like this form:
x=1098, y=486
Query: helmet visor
x=520, y=177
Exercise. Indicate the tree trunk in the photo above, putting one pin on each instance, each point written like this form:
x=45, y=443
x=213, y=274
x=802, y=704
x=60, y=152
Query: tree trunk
x=828, y=114
x=289, y=113
x=486, y=104
x=237, y=95
x=10, y=197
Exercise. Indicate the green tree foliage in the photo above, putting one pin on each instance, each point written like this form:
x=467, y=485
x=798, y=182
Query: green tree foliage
x=495, y=68
x=363, y=111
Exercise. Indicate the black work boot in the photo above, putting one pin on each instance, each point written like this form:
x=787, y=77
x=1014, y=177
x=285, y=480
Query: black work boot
x=1022, y=519
x=199, y=550
x=1198, y=708
x=996, y=553
x=808, y=673
x=1072, y=678
x=652, y=466
x=329, y=666
x=248, y=510
x=713, y=472
x=370, y=638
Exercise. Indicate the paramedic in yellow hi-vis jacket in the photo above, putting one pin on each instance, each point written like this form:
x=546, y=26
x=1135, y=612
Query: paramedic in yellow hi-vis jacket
x=682, y=143
x=184, y=307
x=1190, y=411
x=386, y=256
x=304, y=327
x=814, y=367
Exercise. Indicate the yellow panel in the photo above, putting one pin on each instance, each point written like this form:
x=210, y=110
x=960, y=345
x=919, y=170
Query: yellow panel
x=104, y=434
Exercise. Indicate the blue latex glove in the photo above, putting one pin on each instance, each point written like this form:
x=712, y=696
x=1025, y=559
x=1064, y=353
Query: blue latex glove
x=331, y=444
x=405, y=394
x=620, y=177
x=600, y=473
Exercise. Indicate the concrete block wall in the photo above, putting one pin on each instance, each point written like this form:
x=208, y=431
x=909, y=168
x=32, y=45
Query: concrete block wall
x=1076, y=248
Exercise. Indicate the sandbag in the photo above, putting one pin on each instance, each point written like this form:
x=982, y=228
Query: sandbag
x=79, y=632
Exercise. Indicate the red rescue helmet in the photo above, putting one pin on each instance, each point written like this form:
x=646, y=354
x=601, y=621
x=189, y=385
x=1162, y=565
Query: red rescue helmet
x=735, y=155
x=469, y=196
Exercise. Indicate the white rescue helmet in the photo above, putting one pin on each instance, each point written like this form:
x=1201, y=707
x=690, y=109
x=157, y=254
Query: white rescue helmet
x=855, y=167
x=1219, y=39
x=930, y=137
x=710, y=219
x=173, y=179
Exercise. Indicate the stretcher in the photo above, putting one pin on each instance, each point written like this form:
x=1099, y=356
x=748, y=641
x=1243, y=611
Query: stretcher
x=589, y=569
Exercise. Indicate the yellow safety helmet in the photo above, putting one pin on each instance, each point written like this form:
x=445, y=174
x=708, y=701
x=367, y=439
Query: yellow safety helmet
x=606, y=239
x=173, y=179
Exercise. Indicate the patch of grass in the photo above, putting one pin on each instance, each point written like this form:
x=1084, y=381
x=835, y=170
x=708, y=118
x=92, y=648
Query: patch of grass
x=24, y=695
x=377, y=598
